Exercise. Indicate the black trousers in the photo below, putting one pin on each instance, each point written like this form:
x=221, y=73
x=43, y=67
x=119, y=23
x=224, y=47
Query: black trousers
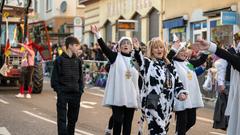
x=185, y=120
x=68, y=106
x=26, y=76
x=110, y=122
x=122, y=118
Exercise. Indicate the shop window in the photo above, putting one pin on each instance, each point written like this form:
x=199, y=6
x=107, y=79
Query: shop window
x=153, y=24
x=137, y=33
x=220, y=35
x=179, y=32
x=199, y=29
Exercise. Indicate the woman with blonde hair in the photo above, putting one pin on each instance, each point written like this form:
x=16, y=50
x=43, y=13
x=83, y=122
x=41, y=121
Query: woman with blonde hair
x=160, y=85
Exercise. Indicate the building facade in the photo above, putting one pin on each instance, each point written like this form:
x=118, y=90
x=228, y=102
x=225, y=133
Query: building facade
x=105, y=13
x=192, y=19
x=188, y=19
x=60, y=16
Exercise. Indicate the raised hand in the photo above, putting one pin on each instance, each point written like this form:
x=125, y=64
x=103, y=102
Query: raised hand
x=94, y=29
x=201, y=45
x=176, y=45
x=136, y=43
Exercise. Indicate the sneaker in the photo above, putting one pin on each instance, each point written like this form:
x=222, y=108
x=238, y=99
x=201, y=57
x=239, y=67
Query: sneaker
x=28, y=96
x=19, y=95
x=108, y=131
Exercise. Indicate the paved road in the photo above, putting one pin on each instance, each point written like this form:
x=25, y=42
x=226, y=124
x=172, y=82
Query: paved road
x=37, y=116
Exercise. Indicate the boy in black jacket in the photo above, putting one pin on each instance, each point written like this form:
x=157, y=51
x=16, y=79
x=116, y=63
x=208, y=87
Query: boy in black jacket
x=67, y=82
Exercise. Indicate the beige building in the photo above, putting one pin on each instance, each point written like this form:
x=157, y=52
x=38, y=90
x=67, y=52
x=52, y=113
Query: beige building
x=186, y=18
x=190, y=19
x=105, y=13
x=60, y=15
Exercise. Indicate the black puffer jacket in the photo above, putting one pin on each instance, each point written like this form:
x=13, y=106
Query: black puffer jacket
x=67, y=76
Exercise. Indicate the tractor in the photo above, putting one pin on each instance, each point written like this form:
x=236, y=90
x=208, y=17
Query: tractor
x=15, y=29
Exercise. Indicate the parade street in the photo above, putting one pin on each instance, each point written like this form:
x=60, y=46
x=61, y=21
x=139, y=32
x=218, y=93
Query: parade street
x=37, y=116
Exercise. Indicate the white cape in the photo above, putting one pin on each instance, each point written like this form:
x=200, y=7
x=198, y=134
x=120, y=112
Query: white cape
x=233, y=105
x=194, y=99
x=120, y=91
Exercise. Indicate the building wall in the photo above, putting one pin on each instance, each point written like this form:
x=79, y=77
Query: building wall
x=55, y=17
x=98, y=12
x=174, y=8
x=194, y=11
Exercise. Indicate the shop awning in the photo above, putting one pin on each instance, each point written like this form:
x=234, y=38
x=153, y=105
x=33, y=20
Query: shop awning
x=173, y=23
x=217, y=12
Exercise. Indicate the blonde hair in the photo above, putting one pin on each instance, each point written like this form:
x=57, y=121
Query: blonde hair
x=157, y=42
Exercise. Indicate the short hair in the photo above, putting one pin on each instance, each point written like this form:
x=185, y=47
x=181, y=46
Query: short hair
x=71, y=40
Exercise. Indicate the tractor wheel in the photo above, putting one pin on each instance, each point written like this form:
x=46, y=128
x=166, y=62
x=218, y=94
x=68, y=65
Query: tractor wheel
x=37, y=78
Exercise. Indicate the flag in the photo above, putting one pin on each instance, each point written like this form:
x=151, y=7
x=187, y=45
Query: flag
x=7, y=47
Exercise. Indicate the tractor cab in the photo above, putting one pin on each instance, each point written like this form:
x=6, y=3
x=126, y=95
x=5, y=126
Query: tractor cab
x=15, y=28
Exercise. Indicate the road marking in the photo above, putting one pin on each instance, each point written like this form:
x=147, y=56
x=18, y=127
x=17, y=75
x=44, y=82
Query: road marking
x=95, y=94
x=87, y=104
x=97, y=88
x=205, y=119
x=216, y=133
x=53, y=122
x=4, y=131
x=3, y=101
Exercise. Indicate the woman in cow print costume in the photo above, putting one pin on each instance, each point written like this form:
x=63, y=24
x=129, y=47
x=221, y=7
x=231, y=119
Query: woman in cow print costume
x=160, y=84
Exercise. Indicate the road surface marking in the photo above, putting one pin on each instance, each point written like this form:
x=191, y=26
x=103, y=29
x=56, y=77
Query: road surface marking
x=4, y=131
x=216, y=133
x=87, y=104
x=53, y=122
x=205, y=119
x=4, y=102
x=97, y=88
x=95, y=94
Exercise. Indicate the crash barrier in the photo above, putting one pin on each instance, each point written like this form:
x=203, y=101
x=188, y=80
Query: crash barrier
x=95, y=72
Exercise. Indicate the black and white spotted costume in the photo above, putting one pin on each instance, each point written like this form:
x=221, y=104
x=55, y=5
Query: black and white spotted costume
x=154, y=75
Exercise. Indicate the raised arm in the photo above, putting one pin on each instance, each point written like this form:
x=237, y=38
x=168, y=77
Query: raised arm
x=173, y=51
x=15, y=51
x=233, y=59
x=30, y=51
x=107, y=51
x=198, y=62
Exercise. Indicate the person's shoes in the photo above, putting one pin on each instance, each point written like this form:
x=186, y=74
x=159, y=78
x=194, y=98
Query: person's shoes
x=108, y=131
x=19, y=95
x=28, y=96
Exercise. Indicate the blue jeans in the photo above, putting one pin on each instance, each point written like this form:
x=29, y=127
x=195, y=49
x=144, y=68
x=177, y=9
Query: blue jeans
x=68, y=106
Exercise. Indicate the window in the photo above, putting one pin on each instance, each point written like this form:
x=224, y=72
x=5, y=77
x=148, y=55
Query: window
x=199, y=29
x=108, y=31
x=153, y=24
x=137, y=34
x=36, y=6
x=48, y=5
